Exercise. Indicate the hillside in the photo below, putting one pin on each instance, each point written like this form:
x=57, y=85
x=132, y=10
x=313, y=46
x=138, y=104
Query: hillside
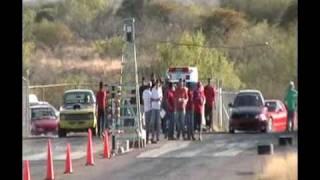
x=79, y=38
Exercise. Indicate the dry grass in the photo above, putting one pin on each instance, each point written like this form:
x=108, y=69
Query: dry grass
x=281, y=167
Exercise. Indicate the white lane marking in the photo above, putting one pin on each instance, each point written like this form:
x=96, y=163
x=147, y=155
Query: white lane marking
x=60, y=155
x=229, y=150
x=172, y=146
x=36, y=157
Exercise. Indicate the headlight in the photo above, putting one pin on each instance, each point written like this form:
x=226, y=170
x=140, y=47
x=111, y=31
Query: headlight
x=261, y=117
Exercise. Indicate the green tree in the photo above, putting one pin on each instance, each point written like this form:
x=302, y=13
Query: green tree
x=78, y=14
x=111, y=47
x=52, y=34
x=28, y=22
x=223, y=23
x=210, y=62
x=27, y=50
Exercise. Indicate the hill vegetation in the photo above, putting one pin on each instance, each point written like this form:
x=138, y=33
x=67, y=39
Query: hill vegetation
x=226, y=41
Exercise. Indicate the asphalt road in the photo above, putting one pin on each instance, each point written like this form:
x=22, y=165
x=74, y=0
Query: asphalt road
x=218, y=156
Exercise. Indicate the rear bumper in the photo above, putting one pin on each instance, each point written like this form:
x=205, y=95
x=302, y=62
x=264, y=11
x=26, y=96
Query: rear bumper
x=39, y=131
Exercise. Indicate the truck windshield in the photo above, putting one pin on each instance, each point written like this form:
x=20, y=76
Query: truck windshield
x=248, y=100
x=78, y=97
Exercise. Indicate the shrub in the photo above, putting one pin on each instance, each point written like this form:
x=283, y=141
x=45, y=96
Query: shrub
x=52, y=34
x=270, y=10
x=111, y=47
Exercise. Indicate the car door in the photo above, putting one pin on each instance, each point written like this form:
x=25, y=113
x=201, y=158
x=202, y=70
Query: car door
x=282, y=117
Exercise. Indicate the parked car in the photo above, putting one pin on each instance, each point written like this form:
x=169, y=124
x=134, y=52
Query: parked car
x=44, y=118
x=249, y=113
x=78, y=112
x=278, y=114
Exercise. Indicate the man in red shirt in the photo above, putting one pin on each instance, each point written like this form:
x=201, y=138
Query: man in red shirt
x=101, y=97
x=181, y=99
x=189, y=113
x=209, y=92
x=198, y=103
x=170, y=110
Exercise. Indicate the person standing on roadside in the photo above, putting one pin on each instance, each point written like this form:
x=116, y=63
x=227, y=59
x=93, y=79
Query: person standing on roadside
x=108, y=120
x=181, y=99
x=101, y=97
x=209, y=92
x=146, y=96
x=170, y=110
x=156, y=98
x=198, y=102
x=189, y=113
x=291, y=104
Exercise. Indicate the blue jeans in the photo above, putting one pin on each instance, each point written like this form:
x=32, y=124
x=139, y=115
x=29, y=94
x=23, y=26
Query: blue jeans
x=190, y=124
x=170, y=120
x=147, y=116
x=101, y=121
x=180, y=120
x=155, y=123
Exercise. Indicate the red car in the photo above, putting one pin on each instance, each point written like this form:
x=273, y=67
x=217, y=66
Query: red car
x=44, y=119
x=278, y=114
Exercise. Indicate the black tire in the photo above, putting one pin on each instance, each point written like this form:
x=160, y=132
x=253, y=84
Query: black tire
x=231, y=130
x=94, y=131
x=62, y=133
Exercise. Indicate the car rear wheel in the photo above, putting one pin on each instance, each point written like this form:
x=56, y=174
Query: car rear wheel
x=62, y=133
x=231, y=130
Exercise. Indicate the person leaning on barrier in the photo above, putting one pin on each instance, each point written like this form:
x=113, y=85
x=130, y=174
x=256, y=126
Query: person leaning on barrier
x=146, y=96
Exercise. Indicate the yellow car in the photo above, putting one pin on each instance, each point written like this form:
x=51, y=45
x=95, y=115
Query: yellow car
x=78, y=113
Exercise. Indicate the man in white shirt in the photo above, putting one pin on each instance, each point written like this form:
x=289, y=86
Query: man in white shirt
x=156, y=98
x=146, y=96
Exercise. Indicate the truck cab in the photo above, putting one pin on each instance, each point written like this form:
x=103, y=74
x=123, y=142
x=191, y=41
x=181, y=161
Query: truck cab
x=78, y=112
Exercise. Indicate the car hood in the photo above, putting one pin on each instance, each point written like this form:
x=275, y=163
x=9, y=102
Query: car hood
x=247, y=109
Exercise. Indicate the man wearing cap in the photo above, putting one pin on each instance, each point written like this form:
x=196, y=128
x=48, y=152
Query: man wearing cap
x=291, y=104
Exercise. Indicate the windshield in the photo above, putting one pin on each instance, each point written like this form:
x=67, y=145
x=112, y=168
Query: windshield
x=248, y=100
x=272, y=106
x=39, y=113
x=78, y=97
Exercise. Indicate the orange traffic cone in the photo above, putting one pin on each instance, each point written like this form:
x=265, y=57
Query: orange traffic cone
x=90, y=160
x=50, y=173
x=26, y=170
x=68, y=166
x=106, y=152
